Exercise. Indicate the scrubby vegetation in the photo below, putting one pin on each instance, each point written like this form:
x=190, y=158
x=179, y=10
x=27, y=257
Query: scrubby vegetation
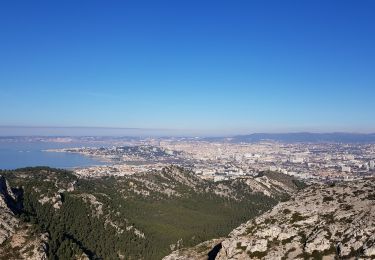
x=105, y=219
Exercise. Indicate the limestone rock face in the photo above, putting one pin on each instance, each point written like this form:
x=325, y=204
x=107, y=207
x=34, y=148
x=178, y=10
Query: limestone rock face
x=320, y=221
x=17, y=240
x=199, y=252
x=8, y=221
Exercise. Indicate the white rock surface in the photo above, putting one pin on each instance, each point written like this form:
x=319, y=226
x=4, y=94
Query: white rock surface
x=325, y=221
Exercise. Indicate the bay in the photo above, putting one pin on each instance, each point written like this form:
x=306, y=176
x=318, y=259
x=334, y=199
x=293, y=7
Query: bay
x=15, y=155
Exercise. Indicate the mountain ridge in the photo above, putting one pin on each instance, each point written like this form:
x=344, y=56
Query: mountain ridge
x=141, y=216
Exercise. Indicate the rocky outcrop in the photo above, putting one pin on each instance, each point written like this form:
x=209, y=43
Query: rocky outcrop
x=202, y=251
x=270, y=184
x=6, y=192
x=8, y=221
x=25, y=243
x=17, y=239
x=329, y=221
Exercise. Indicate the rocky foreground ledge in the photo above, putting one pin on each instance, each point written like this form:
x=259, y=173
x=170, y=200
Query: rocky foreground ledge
x=18, y=240
x=334, y=221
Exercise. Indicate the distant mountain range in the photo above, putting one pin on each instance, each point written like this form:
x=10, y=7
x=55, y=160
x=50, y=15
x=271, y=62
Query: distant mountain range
x=307, y=137
x=300, y=137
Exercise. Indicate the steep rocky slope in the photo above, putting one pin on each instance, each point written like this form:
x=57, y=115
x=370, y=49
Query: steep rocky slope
x=18, y=240
x=8, y=220
x=321, y=221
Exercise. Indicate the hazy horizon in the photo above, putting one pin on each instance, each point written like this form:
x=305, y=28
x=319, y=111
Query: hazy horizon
x=143, y=132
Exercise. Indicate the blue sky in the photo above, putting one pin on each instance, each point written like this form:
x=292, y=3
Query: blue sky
x=198, y=66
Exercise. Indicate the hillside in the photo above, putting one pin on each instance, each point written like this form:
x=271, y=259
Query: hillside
x=142, y=216
x=319, y=222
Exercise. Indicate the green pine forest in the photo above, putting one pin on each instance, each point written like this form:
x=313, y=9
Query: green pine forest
x=79, y=227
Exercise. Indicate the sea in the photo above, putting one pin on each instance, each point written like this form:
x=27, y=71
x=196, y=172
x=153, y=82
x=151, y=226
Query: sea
x=15, y=155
